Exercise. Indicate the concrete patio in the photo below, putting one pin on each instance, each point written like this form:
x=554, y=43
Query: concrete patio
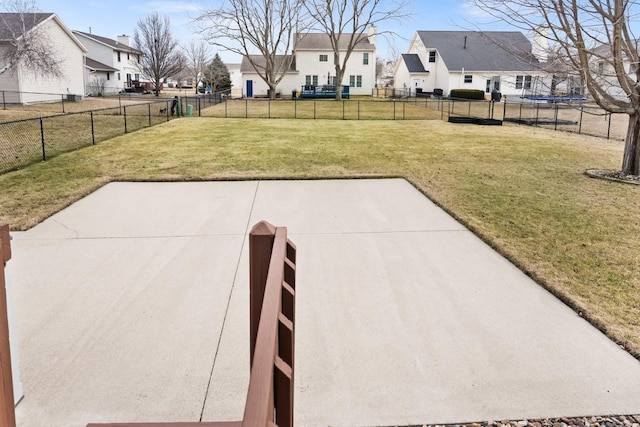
x=132, y=305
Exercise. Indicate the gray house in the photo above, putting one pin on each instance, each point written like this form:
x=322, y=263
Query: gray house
x=446, y=60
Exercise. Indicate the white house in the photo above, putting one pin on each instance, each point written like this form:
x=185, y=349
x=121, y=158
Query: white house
x=602, y=67
x=113, y=63
x=19, y=84
x=446, y=60
x=236, y=79
x=313, y=65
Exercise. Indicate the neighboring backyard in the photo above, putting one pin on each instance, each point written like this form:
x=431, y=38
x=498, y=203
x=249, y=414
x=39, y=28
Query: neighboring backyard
x=522, y=189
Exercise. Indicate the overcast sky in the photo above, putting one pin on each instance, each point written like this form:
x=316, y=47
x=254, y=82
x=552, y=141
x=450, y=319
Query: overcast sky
x=110, y=19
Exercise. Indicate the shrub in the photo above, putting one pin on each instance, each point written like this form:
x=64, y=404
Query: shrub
x=467, y=94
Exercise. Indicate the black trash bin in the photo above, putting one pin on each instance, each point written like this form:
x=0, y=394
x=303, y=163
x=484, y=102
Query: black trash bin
x=496, y=95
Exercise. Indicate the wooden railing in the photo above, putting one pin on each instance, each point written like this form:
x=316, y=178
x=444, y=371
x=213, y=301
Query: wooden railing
x=7, y=410
x=269, y=403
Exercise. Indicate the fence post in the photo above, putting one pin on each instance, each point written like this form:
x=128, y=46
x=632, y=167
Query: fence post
x=358, y=109
x=246, y=108
x=7, y=408
x=4, y=104
x=225, y=109
x=120, y=104
x=93, y=133
x=609, y=127
x=537, y=113
x=62, y=103
x=504, y=110
x=295, y=108
x=260, y=246
x=314, y=108
x=125, y=119
x=149, y=113
x=343, y=116
x=166, y=109
x=44, y=153
x=403, y=110
x=269, y=108
x=520, y=117
x=555, y=126
x=394, y=109
x=580, y=123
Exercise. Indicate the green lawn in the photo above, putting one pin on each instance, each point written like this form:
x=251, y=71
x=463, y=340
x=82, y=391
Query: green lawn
x=521, y=189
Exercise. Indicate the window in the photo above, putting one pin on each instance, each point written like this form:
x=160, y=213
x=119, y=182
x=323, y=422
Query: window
x=118, y=56
x=128, y=57
x=468, y=78
x=600, y=67
x=311, y=80
x=358, y=81
x=523, y=82
x=324, y=58
x=315, y=80
x=118, y=76
x=355, y=81
x=487, y=89
x=137, y=76
x=365, y=58
x=519, y=82
x=432, y=56
x=108, y=76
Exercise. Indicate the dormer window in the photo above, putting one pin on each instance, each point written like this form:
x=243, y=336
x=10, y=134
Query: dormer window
x=365, y=58
x=432, y=56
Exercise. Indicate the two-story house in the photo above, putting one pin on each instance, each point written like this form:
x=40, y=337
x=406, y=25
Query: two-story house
x=313, y=65
x=111, y=64
x=22, y=85
x=445, y=60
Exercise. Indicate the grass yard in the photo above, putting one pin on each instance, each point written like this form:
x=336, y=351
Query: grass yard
x=522, y=189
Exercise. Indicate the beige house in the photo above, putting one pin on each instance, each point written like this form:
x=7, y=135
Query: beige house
x=20, y=85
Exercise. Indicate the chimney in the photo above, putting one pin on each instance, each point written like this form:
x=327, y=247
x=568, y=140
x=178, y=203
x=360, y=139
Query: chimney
x=125, y=40
x=372, y=34
x=540, y=44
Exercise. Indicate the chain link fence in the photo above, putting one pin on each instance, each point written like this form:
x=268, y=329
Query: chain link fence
x=23, y=142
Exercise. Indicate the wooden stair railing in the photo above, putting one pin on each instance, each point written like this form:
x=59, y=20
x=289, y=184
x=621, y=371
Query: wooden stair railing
x=272, y=263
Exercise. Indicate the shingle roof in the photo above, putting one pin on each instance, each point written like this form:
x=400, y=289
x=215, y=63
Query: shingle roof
x=98, y=66
x=110, y=42
x=481, y=51
x=413, y=63
x=321, y=41
x=11, y=23
x=260, y=61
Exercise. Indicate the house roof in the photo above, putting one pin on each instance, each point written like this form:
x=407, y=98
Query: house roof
x=413, y=63
x=114, y=44
x=12, y=23
x=98, y=66
x=481, y=51
x=261, y=62
x=321, y=41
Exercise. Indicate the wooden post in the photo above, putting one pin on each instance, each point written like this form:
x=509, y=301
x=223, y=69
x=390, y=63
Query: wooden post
x=7, y=410
x=260, y=246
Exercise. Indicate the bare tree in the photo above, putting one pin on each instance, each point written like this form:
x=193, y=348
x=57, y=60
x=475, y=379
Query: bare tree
x=260, y=30
x=595, y=40
x=24, y=42
x=347, y=23
x=159, y=58
x=198, y=56
x=97, y=86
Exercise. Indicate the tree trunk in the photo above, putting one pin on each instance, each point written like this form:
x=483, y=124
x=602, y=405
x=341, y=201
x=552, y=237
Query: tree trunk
x=339, y=77
x=631, y=157
x=272, y=90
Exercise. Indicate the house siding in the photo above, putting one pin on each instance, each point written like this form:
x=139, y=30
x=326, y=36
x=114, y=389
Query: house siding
x=71, y=58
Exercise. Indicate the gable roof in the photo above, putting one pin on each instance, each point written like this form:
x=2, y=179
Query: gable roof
x=11, y=25
x=481, y=51
x=321, y=41
x=114, y=44
x=260, y=61
x=413, y=63
x=92, y=64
